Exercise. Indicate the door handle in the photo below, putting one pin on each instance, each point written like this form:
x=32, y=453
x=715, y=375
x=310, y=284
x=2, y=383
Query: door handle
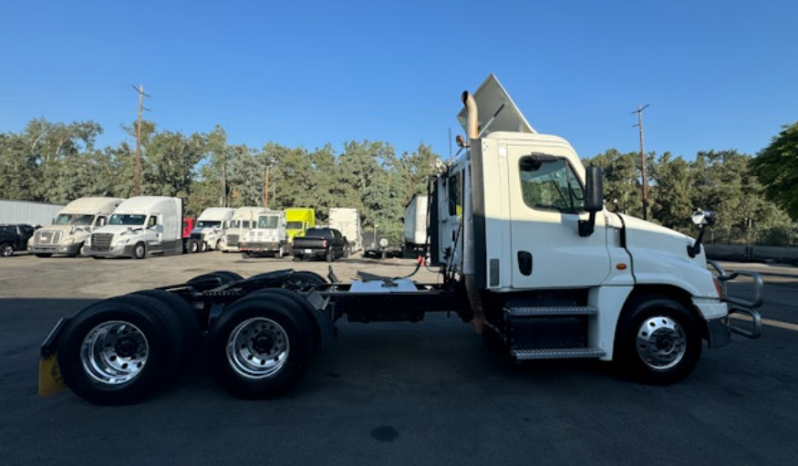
x=525, y=263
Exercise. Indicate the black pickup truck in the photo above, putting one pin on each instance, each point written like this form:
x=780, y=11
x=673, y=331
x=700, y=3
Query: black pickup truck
x=328, y=243
x=14, y=238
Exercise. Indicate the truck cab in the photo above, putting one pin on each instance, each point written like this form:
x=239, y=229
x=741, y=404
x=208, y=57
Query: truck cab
x=244, y=219
x=268, y=237
x=140, y=226
x=73, y=226
x=210, y=228
x=299, y=219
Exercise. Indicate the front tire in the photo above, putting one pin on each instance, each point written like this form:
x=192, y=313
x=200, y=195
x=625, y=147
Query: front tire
x=658, y=340
x=139, y=251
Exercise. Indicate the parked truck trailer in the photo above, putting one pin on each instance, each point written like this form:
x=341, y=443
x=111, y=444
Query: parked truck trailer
x=347, y=221
x=526, y=252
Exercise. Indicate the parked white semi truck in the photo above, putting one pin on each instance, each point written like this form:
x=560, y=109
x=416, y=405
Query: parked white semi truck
x=347, y=221
x=527, y=253
x=244, y=219
x=269, y=237
x=140, y=226
x=210, y=228
x=72, y=226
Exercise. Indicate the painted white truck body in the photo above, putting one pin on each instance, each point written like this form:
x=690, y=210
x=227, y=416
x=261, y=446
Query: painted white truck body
x=508, y=222
x=72, y=226
x=140, y=226
x=347, y=221
x=210, y=227
x=269, y=237
x=244, y=219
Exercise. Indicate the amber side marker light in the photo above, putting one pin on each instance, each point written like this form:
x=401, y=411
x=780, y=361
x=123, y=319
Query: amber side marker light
x=620, y=266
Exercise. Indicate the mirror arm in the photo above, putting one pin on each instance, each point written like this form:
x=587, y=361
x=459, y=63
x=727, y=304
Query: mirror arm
x=695, y=249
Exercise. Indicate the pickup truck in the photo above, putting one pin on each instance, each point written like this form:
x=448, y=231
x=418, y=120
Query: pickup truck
x=14, y=238
x=328, y=243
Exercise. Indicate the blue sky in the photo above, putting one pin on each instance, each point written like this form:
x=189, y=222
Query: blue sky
x=716, y=74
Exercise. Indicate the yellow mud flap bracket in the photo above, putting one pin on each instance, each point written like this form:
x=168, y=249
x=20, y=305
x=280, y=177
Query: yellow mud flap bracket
x=50, y=380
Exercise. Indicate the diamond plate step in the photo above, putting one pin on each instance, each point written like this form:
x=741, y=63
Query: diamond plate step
x=557, y=353
x=551, y=311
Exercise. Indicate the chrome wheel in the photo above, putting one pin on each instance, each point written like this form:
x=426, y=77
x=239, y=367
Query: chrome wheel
x=258, y=348
x=661, y=342
x=114, y=352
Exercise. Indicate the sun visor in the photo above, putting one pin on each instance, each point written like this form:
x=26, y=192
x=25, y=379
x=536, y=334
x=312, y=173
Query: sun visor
x=497, y=111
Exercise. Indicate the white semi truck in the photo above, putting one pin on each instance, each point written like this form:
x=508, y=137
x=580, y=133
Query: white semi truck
x=72, y=226
x=527, y=253
x=244, y=219
x=347, y=221
x=210, y=229
x=268, y=237
x=140, y=226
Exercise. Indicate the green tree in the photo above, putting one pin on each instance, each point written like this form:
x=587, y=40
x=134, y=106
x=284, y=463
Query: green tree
x=776, y=167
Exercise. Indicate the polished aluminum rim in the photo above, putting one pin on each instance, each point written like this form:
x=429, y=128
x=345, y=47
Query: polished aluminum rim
x=661, y=343
x=258, y=348
x=114, y=352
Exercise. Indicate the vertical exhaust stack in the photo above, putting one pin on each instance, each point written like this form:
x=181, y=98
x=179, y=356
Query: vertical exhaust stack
x=472, y=126
x=472, y=291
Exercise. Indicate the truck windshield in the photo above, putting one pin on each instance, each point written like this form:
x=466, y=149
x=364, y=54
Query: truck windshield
x=239, y=224
x=73, y=219
x=127, y=219
x=293, y=225
x=269, y=221
x=208, y=223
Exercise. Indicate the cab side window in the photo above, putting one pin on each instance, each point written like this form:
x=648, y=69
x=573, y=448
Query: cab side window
x=153, y=220
x=549, y=182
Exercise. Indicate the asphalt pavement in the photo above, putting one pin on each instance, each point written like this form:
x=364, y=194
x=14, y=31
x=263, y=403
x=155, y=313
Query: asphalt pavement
x=394, y=393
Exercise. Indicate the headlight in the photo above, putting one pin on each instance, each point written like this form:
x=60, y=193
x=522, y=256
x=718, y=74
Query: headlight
x=68, y=241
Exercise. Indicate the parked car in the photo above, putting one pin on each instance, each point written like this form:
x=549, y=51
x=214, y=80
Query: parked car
x=328, y=243
x=14, y=238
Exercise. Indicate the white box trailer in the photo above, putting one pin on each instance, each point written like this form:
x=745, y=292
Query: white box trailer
x=31, y=213
x=244, y=219
x=347, y=221
x=72, y=226
x=140, y=226
x=210, y=228
x=416, y=223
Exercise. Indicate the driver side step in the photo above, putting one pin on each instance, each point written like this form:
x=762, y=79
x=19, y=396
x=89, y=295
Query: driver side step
x=557, y=353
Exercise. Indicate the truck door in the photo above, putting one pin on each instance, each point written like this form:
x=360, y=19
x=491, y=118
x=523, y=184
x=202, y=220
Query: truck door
x=546, y=198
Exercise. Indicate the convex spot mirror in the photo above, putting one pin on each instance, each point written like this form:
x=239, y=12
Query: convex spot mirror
x=703, y=217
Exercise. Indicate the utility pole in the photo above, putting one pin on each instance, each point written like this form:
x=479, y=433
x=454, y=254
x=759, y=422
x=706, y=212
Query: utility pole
x=266, y=187
x=136, y=183
x=639, y=124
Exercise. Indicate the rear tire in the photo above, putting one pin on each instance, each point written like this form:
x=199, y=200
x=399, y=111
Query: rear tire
x=6, y=250
x=658, y=340
x=193, y=247
x=203, y=246
x=118, y=351
x=330, y=255
x=259, y=346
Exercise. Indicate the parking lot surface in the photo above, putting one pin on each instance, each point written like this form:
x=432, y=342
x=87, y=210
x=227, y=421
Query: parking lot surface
x=393, y=393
